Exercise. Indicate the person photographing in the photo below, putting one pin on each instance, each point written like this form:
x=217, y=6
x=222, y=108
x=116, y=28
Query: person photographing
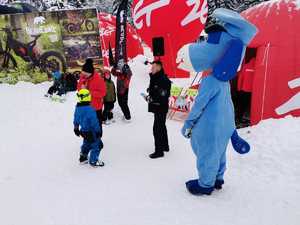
x=158, y=103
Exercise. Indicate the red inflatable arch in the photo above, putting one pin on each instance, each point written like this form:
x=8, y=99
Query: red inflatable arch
x=273, y=72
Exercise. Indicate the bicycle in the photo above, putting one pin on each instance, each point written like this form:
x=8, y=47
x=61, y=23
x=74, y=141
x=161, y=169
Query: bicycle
x=47, y=61
x=74, y=27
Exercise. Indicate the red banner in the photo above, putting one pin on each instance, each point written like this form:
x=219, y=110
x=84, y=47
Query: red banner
x=107, y=25
x=179, y=22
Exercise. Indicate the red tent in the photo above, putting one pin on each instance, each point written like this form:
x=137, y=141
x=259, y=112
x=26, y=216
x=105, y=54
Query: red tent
x=107, y=25
x=273, y=73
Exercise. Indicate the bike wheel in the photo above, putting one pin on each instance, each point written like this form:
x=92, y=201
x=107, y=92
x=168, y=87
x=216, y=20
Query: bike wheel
x=7, y=61
x=51, y=61
x=71, y=28
x=89, y=25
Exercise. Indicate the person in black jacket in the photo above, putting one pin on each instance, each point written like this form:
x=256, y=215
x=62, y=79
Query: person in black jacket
x=158, y=99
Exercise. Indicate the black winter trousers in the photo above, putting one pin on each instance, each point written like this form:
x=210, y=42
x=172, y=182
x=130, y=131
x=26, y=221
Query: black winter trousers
x=160, y=132
x=100, y=117
x=107, y=112
x=242, y=104
x=56, y=88
x=123, y=103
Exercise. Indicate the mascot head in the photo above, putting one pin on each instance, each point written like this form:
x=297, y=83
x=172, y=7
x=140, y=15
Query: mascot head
x=224, y=49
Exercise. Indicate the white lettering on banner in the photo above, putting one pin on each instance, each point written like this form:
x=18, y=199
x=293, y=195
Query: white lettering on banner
x=108, y=17
x=293, y=103
x=122, y=16
x=122, y=38
x=107, y=31
x=138, y=12
x=105, y=53
x=196, y=13
x=40, y=30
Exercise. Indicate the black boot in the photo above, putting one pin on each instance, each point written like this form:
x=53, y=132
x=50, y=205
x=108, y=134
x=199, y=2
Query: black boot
x=156, y=155
x=83, y=159
x=98, y=164
x=219, y=184
x=167, y=149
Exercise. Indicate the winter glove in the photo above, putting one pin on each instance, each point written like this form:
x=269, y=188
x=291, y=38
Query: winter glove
x=186, y=131
x=88, y=136
x=146, y=97
x=77, y=131
x=99, y=135
x=101, y=145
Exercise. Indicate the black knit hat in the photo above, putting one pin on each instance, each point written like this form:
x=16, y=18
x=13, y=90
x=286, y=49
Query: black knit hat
x=88, y=67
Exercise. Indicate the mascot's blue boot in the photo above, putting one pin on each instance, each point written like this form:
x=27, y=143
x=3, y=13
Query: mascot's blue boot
x=195, y=189
x=210, y=124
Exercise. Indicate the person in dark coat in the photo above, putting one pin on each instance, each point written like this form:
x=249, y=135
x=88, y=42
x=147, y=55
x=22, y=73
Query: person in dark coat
x=158, y=99
x=123, y=81
x=70, y=82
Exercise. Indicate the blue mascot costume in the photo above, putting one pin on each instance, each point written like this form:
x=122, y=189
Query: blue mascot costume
x=211, y=124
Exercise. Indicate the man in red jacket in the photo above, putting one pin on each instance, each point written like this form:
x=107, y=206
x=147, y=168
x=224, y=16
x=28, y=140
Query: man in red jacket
x=91, y=80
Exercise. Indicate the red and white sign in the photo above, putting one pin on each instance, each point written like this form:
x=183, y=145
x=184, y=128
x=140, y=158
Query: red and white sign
x=178, y=21
x=107, y=25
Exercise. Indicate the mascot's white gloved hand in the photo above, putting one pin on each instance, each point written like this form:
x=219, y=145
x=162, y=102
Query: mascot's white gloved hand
x=183, y=59
x=186, y=131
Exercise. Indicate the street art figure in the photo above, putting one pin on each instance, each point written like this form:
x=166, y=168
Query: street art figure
x=210, y=124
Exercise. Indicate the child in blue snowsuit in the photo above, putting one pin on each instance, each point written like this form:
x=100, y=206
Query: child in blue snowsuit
x=58, y=84
x=86, y=125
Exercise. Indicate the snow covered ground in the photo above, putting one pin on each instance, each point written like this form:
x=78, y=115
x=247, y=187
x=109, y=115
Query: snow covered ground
x=41, y=182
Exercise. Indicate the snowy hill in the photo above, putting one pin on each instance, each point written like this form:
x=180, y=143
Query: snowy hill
x=41, y=182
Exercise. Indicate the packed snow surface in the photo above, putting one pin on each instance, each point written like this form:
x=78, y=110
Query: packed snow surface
x=42, y=183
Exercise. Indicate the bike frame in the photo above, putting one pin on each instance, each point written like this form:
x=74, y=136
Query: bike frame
x=15, y=45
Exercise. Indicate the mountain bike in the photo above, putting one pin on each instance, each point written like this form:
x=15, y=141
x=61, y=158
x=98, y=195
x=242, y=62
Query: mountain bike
x=74, y=27
x=47, y=61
